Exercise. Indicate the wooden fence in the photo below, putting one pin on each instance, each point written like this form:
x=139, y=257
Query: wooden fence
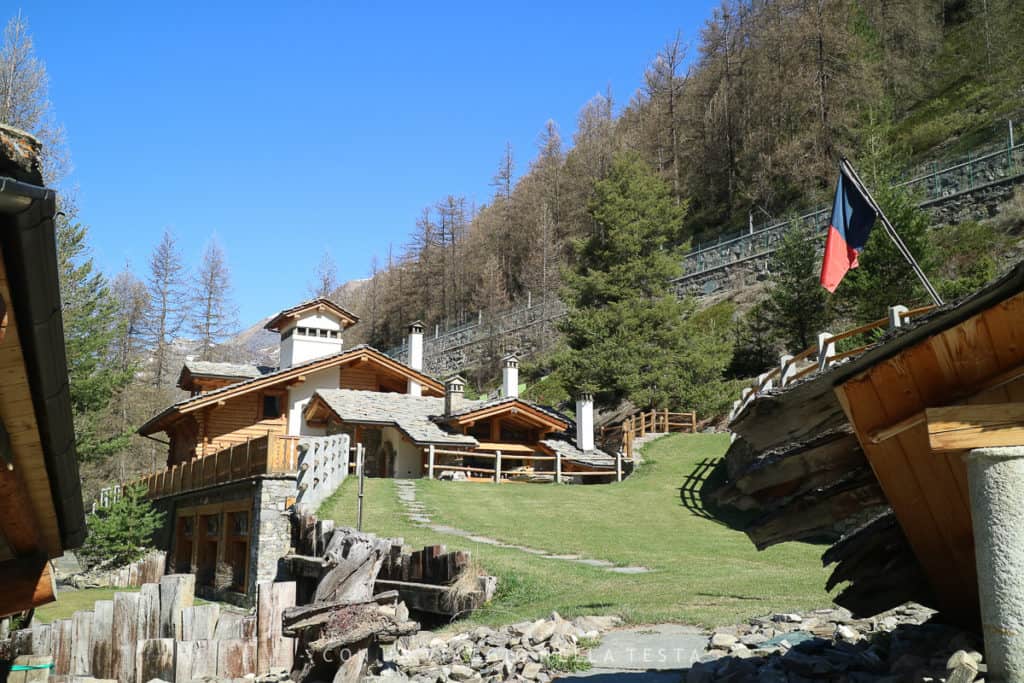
x=157, y=632
x=820, y=356
x=150, y=569
x=499, y=471
x=264, y=455
x=622, y=437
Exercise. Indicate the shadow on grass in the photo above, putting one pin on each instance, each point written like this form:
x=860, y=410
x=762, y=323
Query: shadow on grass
x=696, y=495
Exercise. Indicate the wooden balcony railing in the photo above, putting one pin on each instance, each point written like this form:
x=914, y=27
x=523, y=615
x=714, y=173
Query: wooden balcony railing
x=621, y=436
x=263, y=455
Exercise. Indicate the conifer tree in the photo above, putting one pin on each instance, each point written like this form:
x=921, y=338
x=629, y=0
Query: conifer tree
x=797, y=305
x=627, y=333
x=123, y=531
x=91, y=328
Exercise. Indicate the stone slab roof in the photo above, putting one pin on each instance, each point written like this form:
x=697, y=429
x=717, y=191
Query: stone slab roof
x=413, y=415
x=567, y=448
x=239, y=370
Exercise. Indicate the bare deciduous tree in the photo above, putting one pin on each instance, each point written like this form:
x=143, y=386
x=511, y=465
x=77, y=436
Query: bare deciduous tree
x=168, y=304
x=214, y=315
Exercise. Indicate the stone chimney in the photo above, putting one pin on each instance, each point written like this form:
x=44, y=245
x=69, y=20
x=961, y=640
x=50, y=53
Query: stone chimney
x=415, y=355
x=454, y=389
x=510, y=376
x=585, y=421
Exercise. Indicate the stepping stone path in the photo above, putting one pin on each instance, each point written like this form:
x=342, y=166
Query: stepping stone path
x=417, y=514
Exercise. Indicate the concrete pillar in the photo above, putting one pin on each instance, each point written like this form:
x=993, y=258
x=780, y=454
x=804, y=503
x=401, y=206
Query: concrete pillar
x=896, y=314
x=430, y=462
x=996, y=479
x=826, y=349
x=787, y=368
x=585, y=422
x=558, y=467
x=510, y=376
x=497, y=467
x=415, y=355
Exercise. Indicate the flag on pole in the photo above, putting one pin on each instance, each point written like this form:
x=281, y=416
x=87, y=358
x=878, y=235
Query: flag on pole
x=853, y=214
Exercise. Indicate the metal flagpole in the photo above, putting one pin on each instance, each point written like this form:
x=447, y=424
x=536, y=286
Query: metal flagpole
x=891, y=231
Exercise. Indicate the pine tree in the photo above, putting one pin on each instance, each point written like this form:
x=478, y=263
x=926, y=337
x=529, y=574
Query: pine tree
x=797, y=305
x=123, y=531
x=91, y=328
x=168, y=304
x=214, y=315
x=627, y=334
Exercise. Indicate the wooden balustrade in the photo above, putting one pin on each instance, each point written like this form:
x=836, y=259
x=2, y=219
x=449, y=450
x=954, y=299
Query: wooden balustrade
x=622, y=437
x=824, y=353
x=264, y=455
x=499, y=474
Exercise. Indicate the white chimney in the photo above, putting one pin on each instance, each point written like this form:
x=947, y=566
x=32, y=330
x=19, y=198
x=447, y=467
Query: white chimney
x=454, y=388
x=415, y=355
x=585, y=421
x=510, y=376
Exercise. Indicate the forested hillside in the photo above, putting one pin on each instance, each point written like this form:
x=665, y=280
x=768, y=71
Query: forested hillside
x=749, y=120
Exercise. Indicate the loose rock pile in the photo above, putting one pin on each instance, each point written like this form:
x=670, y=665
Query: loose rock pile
x=904, y=644
x=520, y=652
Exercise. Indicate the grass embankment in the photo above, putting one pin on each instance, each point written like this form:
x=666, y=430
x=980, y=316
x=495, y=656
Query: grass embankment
x=703, y=572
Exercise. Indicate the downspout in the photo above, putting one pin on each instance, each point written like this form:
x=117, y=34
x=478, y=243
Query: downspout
x=996, y=480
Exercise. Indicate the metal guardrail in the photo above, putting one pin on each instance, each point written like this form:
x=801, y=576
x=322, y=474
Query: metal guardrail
x=965, y=175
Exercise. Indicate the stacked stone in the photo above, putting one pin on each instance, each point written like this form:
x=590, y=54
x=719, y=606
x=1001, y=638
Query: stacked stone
x=904, y=644
x=520, y=652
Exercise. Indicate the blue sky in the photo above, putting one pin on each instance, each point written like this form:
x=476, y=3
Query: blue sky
x=288, y=129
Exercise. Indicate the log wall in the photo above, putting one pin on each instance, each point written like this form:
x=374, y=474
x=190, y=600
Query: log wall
x=120, y=639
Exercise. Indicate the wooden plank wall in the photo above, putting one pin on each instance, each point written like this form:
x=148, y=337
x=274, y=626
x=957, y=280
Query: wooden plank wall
x=928, y=491
x=116, y=639
x=362, y=377
x=238, y=420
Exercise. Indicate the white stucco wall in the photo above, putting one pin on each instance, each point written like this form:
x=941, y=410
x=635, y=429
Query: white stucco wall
x=408, y=457
x=298, y=398
x=300, y=348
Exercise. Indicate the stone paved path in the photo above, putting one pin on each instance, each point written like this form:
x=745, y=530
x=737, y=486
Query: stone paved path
x=644, y=654
x=417, y=514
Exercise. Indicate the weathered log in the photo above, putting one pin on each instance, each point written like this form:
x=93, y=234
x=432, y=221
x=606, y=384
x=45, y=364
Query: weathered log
x=148, y=617
x=102, y=639
x=194, y=659
x=297, y=619
x=356, y=623
x=273, y=650
x=154, y=658
x=125, y=632
x=81, y=645
x=199, y=622
x=177, y=591
x=63, y=635
x=42, y=639
x=356, y=558
x=236, y=658
x=33, y=675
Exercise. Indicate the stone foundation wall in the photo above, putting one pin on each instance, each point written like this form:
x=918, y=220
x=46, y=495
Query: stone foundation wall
x=272, y=526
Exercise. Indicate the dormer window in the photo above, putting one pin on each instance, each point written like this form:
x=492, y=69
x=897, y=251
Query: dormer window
x=270, y=406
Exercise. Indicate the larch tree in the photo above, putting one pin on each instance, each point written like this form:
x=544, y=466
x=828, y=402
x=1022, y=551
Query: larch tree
x=214, y=314
x=325, y=278
x=168, y=299
x=24, y=97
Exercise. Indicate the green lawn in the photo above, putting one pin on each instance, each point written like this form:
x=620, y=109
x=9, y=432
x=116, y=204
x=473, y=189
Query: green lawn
x=704, y=572
x=69, y=601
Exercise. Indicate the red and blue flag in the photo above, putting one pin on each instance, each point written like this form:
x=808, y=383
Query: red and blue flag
x=852, y=217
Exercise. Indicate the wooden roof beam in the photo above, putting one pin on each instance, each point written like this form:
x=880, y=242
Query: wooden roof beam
x=966, y=427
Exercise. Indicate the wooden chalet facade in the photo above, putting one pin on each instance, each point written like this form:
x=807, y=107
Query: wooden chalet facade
x=41, y=512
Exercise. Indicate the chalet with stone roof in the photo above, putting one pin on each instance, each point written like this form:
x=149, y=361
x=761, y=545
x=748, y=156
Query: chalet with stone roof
x=250, y=443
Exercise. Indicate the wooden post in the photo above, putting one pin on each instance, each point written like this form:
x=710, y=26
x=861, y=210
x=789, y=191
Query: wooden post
x=81, y=645
x=558, y=467
x=693, y=422
x=360, y=466
x=154, y=659
x=102, y=639
x=497, y=468
x=643, y=424
x=667, y=428
x=124, y=632
x=618, y=465
x=430, y=461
